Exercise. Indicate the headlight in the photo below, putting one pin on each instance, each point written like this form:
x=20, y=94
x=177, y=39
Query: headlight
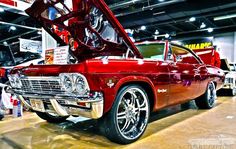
x=15, y=81
x=81, y=85
x=67, y=82
x=74, y=83
x=12, y=81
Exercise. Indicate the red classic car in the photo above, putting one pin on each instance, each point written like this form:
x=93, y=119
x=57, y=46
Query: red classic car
x=109, y=78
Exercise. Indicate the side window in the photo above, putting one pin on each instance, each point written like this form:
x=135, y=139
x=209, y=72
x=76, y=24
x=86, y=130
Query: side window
x=183, y=56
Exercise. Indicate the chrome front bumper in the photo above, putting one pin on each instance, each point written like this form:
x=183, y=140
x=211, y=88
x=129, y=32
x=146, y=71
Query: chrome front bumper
x=70, y=104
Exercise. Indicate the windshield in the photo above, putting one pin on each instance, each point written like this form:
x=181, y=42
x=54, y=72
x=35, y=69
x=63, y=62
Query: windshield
x=153, y=51
x=23, y=57
x=6, y=58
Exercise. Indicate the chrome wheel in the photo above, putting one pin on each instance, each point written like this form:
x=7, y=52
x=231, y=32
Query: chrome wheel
x=211, y=94
x=207, y=100
x=132, y=113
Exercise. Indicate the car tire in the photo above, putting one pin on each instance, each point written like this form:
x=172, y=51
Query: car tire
x=128, y=118
x=207, y=100
x=51, y=118
x=185, y=106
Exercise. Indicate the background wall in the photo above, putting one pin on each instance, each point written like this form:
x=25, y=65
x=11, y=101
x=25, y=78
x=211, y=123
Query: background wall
x=227, y=45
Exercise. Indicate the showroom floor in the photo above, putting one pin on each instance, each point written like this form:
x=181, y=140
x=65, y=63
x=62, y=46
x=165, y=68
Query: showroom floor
x=168, y=129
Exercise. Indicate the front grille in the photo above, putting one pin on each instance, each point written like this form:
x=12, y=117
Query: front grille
x=41, y=85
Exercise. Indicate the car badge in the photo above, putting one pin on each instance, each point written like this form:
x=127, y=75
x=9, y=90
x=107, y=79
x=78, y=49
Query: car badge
x=162, y=90
x=110, y=83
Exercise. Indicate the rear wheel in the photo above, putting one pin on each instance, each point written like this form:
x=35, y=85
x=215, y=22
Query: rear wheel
x=51, y=118
x=207, y=100
x=185, y=106
x=128, y=118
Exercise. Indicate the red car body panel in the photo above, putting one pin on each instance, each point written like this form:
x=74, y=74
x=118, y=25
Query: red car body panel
x=209, y=56
x=205, y=54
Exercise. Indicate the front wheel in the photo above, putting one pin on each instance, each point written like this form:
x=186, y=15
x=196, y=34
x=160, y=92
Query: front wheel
x=207, y=100
x=51, y=118
x=128, y=118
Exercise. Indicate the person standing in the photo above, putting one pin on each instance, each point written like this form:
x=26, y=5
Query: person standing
x=216, y=58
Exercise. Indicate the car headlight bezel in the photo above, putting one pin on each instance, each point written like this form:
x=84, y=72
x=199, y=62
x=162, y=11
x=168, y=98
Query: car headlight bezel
x=67, y=82
x=79, y=84
x=15, y=81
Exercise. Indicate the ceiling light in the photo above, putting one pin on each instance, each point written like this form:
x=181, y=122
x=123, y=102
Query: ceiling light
x=156, y=32
x=210, y=38
x=13, y=28
x=143, y=28
x=39, y=32
x=210, y=30
x=161, y=0
x=192, y=19
x=203, y=25
x=177, y=42
x=1, y=10
x=167, y=35
x=225, y=17
x=5, y=43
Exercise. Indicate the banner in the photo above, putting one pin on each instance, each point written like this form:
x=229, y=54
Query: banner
x=21, y=5
x=198, y=43
x=30, y=46
x=9, y=2
x=59, y=55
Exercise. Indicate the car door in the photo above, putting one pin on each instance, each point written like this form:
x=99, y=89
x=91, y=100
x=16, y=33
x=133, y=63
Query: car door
x=185, y=75
x=154, y=53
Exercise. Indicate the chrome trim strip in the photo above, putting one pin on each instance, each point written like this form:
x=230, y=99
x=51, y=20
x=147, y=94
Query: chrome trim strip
x=56, y=78
x=77, y=98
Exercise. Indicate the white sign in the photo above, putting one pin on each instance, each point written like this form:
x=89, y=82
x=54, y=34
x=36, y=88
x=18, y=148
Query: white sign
x=59, y=55
x=30, y=46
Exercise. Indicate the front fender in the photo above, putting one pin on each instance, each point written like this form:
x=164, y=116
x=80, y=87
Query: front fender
x=123, y=82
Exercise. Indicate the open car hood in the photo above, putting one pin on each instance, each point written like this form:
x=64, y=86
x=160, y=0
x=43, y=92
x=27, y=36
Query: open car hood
x=89, y=27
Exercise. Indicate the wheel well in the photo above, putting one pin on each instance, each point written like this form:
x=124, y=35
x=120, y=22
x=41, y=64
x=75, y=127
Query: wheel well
x=146, y=87
x=215, y=84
